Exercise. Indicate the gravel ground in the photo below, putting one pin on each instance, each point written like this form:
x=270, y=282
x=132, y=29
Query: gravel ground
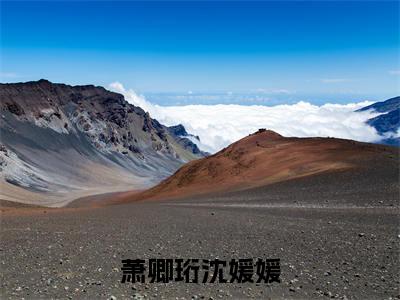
x=338, y=253
x=337, y=236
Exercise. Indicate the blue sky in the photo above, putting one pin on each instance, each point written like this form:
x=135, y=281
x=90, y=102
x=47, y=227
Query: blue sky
x=326, y=50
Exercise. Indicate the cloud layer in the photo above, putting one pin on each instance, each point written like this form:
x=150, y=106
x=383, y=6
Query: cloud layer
x=220, y=125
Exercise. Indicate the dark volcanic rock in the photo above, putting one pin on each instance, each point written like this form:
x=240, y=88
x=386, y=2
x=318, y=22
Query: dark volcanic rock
x=185, y=139
x=384, y=106
x=180, y=130
x=386, y=124
x=41, y=119
x=14, y=108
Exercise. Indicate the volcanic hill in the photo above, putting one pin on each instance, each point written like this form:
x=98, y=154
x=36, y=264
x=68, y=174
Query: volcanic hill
x=61, y=142
x=266, y=158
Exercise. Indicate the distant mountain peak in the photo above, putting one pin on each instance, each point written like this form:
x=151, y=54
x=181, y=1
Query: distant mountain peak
x=383, y=106
x=185, y=139
x=387, y=124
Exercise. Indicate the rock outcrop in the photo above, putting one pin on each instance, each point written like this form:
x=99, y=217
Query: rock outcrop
x=58, y=139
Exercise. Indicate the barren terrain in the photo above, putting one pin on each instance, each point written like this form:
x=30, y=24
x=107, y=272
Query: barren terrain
x=337, y=235
x=330, y=213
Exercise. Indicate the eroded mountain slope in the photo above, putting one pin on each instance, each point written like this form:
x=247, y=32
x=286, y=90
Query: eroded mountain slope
x=60, y=142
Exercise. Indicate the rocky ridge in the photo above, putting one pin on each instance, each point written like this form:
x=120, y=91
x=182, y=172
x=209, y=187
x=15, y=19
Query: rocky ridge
x=87, y=124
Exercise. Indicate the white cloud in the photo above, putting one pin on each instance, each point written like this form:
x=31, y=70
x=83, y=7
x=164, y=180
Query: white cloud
x=132, y=97
x=220, y=125
x=335, y=80
x=394, y=72
x=274, y=91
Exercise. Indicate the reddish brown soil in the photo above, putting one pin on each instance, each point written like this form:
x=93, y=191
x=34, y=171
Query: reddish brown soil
x=261, y=159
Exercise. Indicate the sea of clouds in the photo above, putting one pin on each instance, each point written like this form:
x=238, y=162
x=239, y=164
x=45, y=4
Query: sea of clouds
x=220, y=125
